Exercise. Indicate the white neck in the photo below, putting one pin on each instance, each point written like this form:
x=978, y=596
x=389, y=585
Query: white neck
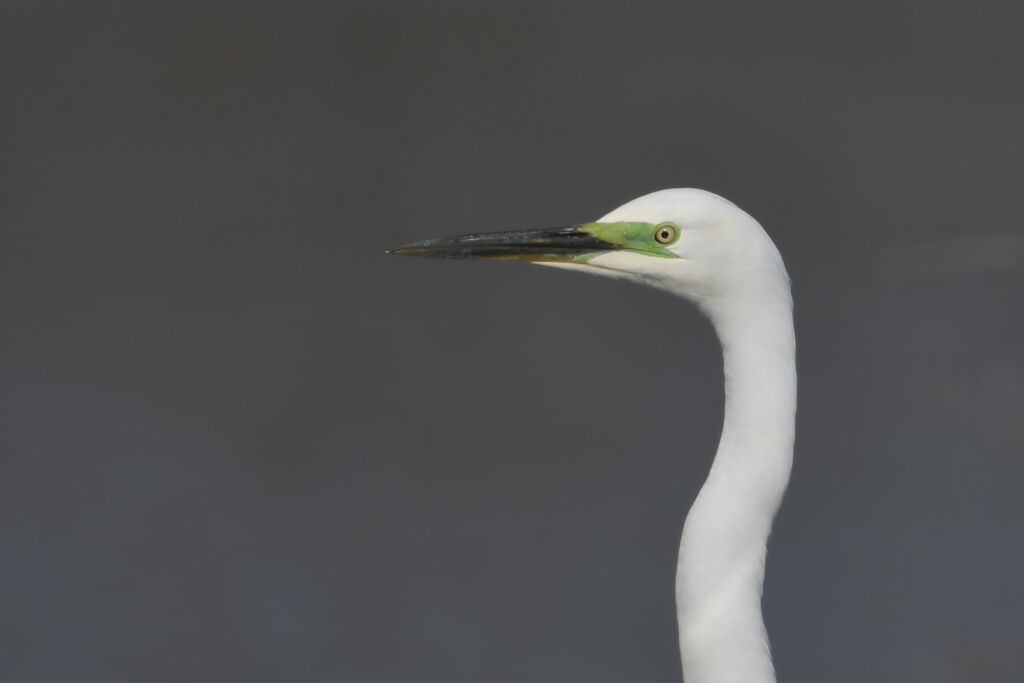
x=721, y=556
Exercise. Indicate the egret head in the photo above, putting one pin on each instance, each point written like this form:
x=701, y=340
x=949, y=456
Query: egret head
x=687, y=241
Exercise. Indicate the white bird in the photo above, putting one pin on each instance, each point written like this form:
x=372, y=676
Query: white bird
x=701, y=247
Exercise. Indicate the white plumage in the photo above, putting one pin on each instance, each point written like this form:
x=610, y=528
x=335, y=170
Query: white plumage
x=716, y=255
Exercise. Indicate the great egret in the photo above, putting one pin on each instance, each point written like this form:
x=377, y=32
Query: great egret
x=701, y=247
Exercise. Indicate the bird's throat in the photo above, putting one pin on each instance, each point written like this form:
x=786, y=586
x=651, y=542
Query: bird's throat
x=722, y=552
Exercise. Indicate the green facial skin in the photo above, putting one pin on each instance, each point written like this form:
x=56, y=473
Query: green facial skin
x=631, y=235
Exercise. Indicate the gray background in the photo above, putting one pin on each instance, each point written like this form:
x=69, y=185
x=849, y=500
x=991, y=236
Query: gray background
x=239, y=443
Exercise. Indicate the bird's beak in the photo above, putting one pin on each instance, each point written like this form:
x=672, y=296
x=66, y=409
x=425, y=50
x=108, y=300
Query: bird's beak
x=570, y=244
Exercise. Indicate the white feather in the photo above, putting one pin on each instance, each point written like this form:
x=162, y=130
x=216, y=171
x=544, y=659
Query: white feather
x=732, y=270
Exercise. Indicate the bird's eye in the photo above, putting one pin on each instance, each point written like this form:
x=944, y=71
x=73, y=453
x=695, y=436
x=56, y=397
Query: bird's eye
x=666, y=234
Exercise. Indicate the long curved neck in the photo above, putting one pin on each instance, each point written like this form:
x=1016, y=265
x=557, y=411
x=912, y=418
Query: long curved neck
x=722, y=553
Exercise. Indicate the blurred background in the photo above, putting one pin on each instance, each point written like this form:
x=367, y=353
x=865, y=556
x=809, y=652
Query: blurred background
x=239, y=443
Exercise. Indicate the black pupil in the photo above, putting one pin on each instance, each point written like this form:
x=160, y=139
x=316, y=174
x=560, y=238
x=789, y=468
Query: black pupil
x=664, y=234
